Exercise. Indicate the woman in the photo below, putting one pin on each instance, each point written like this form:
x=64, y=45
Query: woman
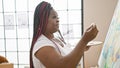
x=47, y=51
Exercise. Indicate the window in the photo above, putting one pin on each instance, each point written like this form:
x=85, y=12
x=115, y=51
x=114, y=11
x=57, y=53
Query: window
x=16, y=26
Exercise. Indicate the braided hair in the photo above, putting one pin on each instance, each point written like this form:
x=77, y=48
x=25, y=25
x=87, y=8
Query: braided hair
x=41, y=16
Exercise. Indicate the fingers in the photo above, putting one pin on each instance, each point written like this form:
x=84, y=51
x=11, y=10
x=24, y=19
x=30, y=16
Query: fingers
x=92, y=27
x=95, y=30
x=90, y=33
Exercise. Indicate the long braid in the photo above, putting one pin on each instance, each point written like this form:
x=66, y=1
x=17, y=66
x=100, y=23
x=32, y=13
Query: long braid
x=40, y=21
x=61, y=37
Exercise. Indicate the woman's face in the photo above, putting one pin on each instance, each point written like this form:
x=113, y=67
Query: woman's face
x=53, y=22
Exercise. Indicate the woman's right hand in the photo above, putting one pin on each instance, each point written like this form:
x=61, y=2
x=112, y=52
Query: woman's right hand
x=90, y=33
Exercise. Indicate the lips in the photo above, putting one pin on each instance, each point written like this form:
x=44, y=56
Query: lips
x=58, y=26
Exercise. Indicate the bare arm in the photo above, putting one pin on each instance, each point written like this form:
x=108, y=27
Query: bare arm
x=52, y=59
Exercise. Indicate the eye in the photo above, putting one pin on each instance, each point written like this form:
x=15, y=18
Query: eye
x=56, y=17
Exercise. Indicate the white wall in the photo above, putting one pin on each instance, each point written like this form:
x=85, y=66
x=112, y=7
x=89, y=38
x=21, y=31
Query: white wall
x=99, y=12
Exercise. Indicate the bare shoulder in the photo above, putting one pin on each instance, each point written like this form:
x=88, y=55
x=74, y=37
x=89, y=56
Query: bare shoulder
x=48, y=55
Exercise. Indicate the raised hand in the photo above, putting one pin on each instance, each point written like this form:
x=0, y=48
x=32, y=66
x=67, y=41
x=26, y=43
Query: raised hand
x=90, y=33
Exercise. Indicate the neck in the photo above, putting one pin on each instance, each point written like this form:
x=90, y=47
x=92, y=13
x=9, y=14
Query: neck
x=49, y=35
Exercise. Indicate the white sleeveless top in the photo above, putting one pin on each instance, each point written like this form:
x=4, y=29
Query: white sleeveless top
x=44, y=41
